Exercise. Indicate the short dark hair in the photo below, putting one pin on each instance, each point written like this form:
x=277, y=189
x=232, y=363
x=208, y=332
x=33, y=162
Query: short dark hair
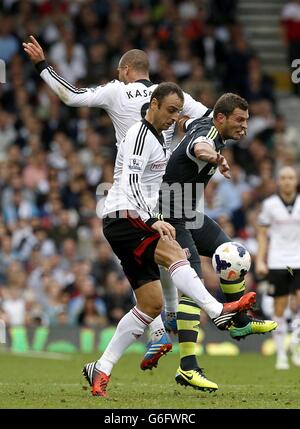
x=137, y=59
x=164, y=89
x=228, y=102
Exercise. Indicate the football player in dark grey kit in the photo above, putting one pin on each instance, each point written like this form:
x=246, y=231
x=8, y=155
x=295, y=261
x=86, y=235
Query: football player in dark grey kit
x=192, y=164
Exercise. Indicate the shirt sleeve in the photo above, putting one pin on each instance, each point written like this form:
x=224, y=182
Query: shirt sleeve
x=136, y=156
x=101, y=96
x=264, y=217
x=200, y=139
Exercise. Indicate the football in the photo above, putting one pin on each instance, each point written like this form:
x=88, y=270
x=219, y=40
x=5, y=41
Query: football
x=231, y=261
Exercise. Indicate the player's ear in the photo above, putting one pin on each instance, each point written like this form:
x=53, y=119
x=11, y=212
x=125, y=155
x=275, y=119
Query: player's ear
x=221, y=118
x=154, y=103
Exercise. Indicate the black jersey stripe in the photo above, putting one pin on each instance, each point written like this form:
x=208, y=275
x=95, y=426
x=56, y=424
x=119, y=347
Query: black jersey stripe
x=133, y=190
x=65, y=83
x=140, y=193
x=137, y=193
x=137, y=139
x=141, y=141
x=207, y=113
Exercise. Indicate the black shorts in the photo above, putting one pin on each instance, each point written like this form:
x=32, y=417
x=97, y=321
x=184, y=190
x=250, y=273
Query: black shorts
x=202, y=241
x=283, y=282
x=134, y=243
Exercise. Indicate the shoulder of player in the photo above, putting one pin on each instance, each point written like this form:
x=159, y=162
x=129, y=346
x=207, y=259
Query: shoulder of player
x=135, y=128
x=138, y=130
x=271, y=200
x=202, y=131
x=203, y=126
x=111, y=85
x=141, y=87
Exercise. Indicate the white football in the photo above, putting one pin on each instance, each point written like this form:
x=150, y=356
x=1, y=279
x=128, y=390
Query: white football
x=231, y=261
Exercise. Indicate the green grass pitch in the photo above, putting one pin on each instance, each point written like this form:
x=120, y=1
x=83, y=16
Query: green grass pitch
x=245, y=381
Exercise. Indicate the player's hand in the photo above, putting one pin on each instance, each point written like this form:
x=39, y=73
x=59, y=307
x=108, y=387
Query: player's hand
x=181, y=121
x=223, y=166
x=261, y=269
x=165, y=229
x=34, y=50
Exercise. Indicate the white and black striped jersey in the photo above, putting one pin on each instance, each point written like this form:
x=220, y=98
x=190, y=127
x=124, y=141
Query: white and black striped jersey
x=185, y=169
x=140, y=165
x=283, y=221
x=125, y=104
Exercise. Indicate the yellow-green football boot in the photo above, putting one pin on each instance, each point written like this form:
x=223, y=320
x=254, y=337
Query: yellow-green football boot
x=256, y=326
x=196, y=379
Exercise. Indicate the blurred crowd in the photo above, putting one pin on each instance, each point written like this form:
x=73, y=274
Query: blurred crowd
x=55, y=266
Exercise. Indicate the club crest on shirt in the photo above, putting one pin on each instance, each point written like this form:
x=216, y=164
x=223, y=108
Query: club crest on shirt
x=135, y=164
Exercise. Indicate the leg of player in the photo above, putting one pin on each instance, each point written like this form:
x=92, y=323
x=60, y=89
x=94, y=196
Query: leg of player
x=295, y=337
x=243, y=324
x=280, y=304
x=188, y=314
x=149, y=303
x=182, y=317
x=185, y=278
x=171, y=300
x=207, y=240
x=160, y=342
x=171, y=255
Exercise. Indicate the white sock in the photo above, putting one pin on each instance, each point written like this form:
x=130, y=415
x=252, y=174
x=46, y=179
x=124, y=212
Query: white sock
x=279, y=335
x=187, y=281
x=157, y=329
x=169, y=290
x=130, y=327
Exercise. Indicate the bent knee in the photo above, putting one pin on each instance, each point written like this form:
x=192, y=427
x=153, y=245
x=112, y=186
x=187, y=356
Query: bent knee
x=153, y=310
x=168, y=252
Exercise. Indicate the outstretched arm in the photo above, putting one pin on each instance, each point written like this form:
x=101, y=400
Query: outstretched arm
x=205, y=152
x=102, y=96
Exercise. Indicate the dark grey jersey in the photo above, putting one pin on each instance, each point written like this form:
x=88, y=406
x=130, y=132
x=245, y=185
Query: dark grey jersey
x=184, y=171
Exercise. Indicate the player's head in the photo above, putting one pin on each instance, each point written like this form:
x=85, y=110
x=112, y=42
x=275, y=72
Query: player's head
x=287, y=180
x=133, y=65
x=166, y=103
x=231, y=116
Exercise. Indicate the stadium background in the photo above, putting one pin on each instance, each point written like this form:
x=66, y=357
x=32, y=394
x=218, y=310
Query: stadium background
x=56, y=270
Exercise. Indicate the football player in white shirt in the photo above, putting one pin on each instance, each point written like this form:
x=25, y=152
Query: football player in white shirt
x=278, y=252
x=126, y=101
